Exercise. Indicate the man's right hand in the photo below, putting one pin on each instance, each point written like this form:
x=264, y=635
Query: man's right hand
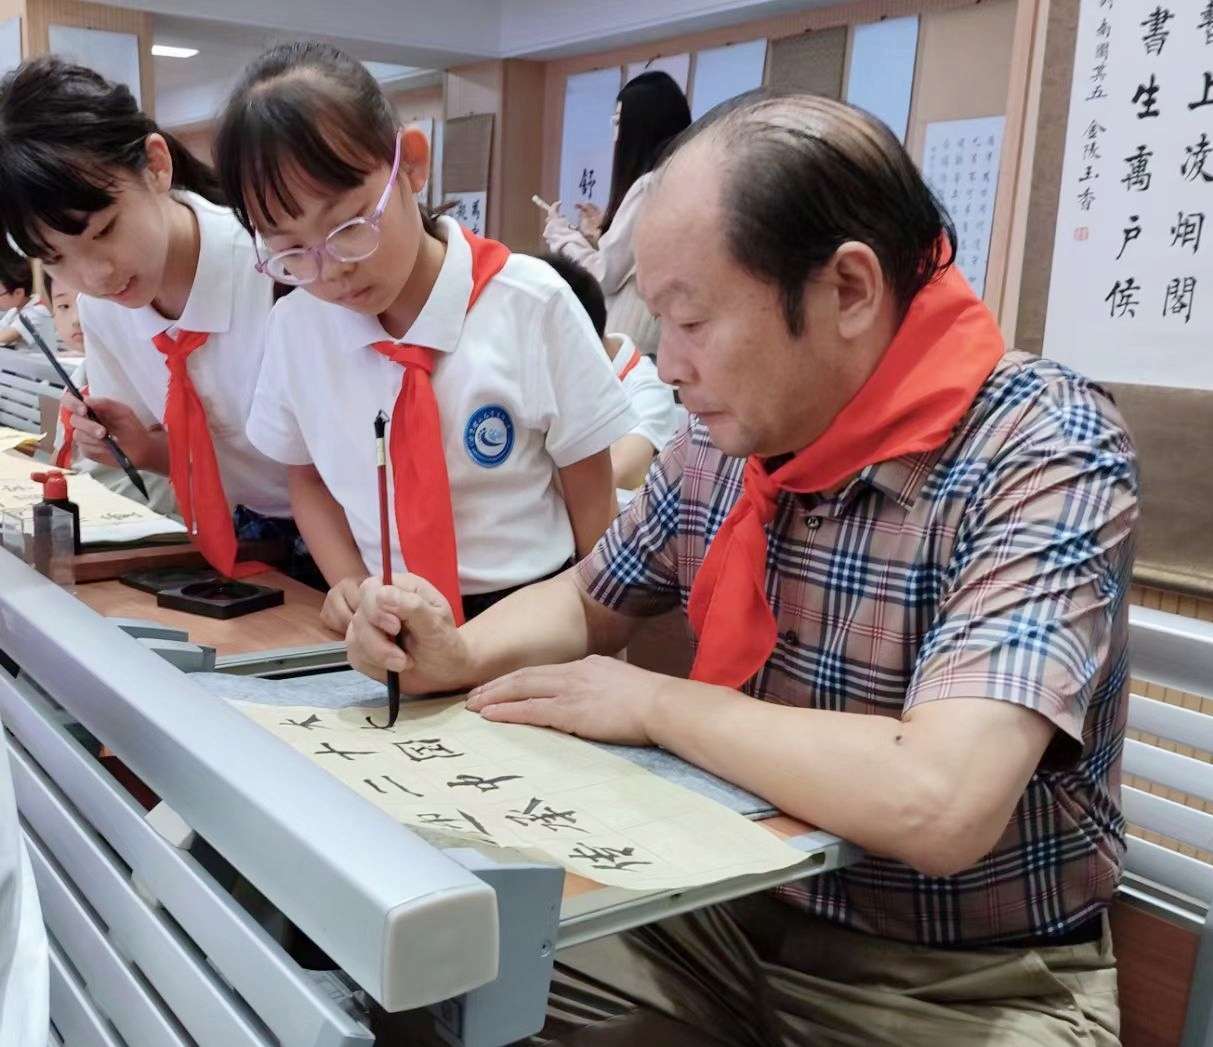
x=435, y=655
x=115, y=419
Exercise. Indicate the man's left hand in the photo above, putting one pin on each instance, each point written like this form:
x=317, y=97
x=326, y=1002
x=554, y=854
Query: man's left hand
x=340, y=604
x=597, y=698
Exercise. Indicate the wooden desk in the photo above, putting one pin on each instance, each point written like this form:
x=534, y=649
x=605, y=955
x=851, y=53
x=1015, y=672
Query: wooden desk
x=107, y=564
x=296, y=624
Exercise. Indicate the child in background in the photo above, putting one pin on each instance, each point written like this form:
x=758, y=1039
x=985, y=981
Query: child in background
x=503, y=410
x=172, y=315
x=652, y=400
x=17, y=292
x=66, y=318
x=71, y=340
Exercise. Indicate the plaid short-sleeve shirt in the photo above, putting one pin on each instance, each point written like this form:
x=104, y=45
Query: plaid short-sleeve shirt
x=994, y=567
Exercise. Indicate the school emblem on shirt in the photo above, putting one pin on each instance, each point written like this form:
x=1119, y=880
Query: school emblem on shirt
x=489, y=436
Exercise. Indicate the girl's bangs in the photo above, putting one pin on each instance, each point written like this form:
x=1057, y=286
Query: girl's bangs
x=294, y=153
x=44, y=189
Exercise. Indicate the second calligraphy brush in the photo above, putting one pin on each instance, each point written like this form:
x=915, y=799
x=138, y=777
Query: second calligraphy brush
x=119, y=455
x=385, y=548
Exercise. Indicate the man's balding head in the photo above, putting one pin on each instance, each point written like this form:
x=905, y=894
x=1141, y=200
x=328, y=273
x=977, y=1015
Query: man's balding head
x=780, y=245
x=802, y=175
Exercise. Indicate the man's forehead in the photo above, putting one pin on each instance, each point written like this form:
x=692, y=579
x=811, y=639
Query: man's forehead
x=696, y=164
x=687, y=200
x=658, y=250
x=679, y=233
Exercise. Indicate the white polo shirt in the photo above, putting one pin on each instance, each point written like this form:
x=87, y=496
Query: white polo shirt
x=653, y=401
x=36, y=315
x=523, y=389
x=230, y=301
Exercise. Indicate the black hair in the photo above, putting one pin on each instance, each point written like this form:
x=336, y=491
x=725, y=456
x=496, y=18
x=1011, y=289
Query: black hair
x=652, y=112
x=586, y=289
x=15, y=272
x=66, y=135
x=803, y=175
x=302, y=109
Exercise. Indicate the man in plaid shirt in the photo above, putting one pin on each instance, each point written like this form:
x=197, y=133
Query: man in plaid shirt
x=875, y=508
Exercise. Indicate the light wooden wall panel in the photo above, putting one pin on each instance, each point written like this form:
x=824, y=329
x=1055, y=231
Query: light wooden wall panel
x=41, y=14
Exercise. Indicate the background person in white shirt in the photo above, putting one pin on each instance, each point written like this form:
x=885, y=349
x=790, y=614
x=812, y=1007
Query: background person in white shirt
x=17, y=292
x=659, y=415
x=650, y=112
x=123, y=212
x=520, y=406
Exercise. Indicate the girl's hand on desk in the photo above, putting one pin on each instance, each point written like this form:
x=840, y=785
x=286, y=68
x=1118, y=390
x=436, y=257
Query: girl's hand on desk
x=598, y=698
x=435, y=656
x=341, y=603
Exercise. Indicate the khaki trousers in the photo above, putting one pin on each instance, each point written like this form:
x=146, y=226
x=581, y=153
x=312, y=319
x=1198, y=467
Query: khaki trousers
x=758, y=973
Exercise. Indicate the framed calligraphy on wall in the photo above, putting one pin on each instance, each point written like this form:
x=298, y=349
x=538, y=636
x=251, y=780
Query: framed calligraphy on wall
x=1131, y=299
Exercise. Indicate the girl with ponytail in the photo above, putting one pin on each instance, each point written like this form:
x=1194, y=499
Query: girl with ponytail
x=171, y=306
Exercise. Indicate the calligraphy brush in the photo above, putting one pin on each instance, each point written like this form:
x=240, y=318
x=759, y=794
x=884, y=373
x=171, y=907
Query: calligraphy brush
x=385, y=552
x=131, y=472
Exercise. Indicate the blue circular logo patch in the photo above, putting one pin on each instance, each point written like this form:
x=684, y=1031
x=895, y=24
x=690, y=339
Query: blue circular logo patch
x=489, y=436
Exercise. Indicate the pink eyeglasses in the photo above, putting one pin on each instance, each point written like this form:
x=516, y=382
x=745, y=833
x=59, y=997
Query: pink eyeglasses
x=351, y=241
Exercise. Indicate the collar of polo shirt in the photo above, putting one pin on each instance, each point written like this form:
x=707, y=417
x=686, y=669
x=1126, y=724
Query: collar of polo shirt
x=211, y=300
x=440, y=322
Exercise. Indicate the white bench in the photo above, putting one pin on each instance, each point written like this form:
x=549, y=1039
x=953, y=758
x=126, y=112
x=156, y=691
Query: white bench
x=1162, y=929
x=26, y=377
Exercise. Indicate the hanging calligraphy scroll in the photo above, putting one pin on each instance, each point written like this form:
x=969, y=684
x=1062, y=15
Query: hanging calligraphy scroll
x=1170, y=425
x=1132, y=292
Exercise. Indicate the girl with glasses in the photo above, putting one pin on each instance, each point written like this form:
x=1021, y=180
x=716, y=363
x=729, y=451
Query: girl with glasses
x=171, y=306
x=502, y=410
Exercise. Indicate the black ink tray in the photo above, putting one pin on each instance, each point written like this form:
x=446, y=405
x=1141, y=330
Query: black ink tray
x=156, y=579
x=219, y=598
